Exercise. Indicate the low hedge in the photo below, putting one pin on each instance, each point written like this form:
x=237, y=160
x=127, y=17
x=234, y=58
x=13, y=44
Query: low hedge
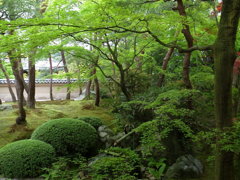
x=25, y=158
x=67, y=136
x=94, y=121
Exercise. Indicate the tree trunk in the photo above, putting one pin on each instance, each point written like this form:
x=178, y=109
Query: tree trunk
x=80, y=90
x=51, y=73
x=186, y=70
x=31, y=83
x=21, y=119
x=66, y=71
x=97, y=89
x=164, y=66
x=224, y=56
x=188, y=36
x=8, y=83
x=88, y=89
x=123, y=83
x=21, y=71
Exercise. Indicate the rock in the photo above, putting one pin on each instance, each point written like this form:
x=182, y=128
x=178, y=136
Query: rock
x=109, y=131
x=101, y=128
x=185, y=167
x=103, y=134
x=4, y=107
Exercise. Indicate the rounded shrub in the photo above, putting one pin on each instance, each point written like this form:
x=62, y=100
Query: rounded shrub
x=25, y=158
x=94, y=121
x=67, y=136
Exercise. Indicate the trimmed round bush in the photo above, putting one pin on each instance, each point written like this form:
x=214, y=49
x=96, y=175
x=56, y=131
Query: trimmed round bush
x=25, y=158
x=94, y=121
x=67, y=136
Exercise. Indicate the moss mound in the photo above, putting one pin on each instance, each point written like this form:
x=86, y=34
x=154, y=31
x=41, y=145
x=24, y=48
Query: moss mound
x=67, y=136
x=25, y=158
x=94, y=121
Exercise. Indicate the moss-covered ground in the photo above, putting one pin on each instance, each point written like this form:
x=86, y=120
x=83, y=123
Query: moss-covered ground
x=45, y=111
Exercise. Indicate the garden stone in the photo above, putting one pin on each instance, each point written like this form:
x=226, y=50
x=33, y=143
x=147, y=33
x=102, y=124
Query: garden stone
x=101, y=128
x=109, y=131
x=104, y=128
x=103, y=134
x=186, y=166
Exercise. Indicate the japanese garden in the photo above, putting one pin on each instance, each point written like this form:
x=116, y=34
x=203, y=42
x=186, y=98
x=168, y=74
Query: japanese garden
x=120, y=89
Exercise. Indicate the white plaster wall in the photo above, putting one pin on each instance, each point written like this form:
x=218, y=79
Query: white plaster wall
x=42, y=92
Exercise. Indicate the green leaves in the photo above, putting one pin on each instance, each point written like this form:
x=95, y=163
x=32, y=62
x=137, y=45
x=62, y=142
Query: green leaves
x=157, y=168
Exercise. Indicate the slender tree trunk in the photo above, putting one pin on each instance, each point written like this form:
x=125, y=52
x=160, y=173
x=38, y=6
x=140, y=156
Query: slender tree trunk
x=31, y=83
x=97, y=88
x=21, y=119
x=97, y=91
x=26, y=88
x=224, y=56
x=164, y=66
x=66, y=71
x=51, y=73
x=123, y=83
x=88, y=89
x=80, y=90
x=188, y=36
x=8, y=83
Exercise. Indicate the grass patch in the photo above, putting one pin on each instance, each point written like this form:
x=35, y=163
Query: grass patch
x=45, y=111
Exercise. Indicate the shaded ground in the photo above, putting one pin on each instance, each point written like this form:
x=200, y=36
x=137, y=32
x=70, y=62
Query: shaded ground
x=45, y=111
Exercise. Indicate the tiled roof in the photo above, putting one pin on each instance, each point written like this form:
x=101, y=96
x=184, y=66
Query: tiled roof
x=40, y=81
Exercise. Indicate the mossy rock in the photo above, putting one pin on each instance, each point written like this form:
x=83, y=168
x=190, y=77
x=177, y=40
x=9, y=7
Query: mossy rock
x=67, y=136
x=25, y=158
x=94, y=121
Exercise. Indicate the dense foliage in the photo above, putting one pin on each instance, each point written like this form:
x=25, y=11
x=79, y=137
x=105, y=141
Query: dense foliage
x=170, y=71
x=25, y=158
x=67, y=168
x=67, y=136
x=118, y=163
